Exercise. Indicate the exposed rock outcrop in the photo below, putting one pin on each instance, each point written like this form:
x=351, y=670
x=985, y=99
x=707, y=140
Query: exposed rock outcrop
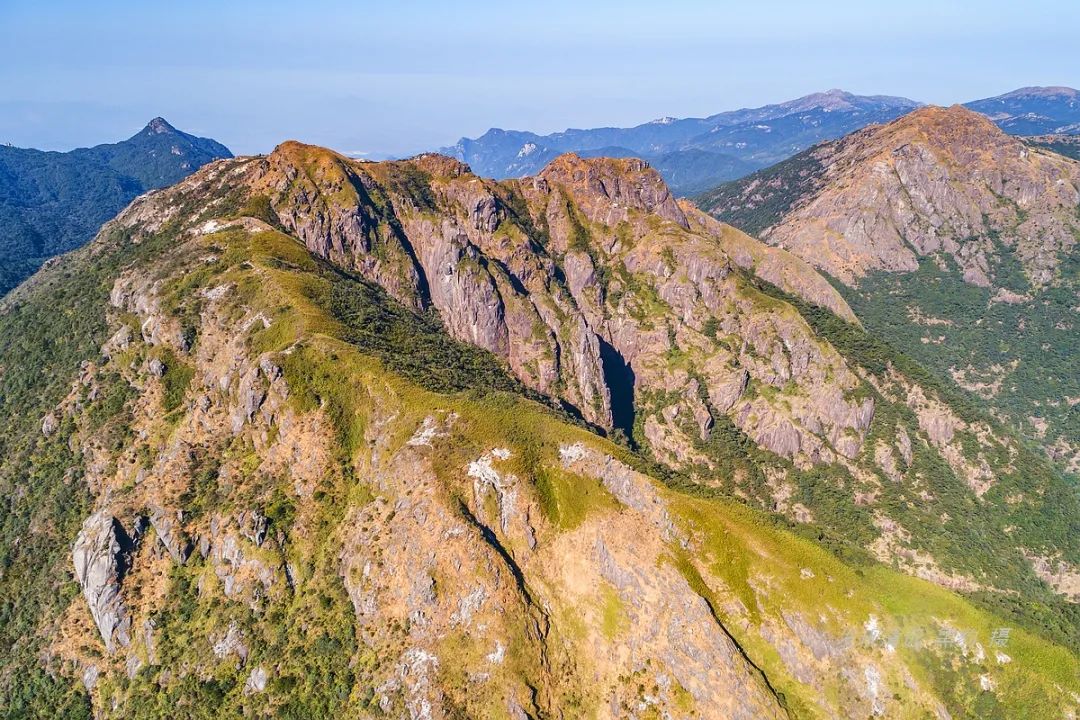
x=100, y=564
x=591, y=252
x=939, y=180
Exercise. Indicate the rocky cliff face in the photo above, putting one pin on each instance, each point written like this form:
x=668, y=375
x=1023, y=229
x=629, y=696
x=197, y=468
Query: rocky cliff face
x=943, y=227
x=590, y=254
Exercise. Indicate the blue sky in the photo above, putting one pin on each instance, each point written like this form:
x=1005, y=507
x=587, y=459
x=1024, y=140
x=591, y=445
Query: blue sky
x=398, y=77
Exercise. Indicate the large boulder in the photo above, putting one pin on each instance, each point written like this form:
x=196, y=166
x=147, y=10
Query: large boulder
x=98, y=555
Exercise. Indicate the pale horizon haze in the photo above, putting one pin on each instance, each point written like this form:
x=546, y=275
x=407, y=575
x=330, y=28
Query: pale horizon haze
x=397, y=78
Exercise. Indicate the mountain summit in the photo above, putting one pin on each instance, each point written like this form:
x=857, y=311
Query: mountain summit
x=158, y=126
x=931, y=181
x=51, y=202
x=950, y=235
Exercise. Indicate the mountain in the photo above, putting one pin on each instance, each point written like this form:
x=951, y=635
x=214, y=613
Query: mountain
x=950, y=238
x=51, y=202
x=1033, y=111
x=302, y=436
x=692, y=153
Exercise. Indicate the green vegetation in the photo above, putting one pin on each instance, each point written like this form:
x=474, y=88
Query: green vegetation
x=567, y=499
x=53, y=202
x=1067, y=145
x=777, y=189
x=45, y=333
x=986, y=338
x=175, y=379
x=1048, y=520
x=738, y=543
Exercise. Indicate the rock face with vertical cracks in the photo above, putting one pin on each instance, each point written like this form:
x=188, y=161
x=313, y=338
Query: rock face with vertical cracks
x=98, y=556
x=594, y=285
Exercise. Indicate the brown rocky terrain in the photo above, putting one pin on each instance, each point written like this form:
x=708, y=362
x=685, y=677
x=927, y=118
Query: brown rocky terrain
x=339, y=451
x=590, y=257
x=939, y=180
x=949, y=238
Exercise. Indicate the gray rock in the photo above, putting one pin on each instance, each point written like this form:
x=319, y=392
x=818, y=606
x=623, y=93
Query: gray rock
x=99, y=566
x=903, y=443
x=251, y=395
x=253, y=527
x=256, y=681
x=90, y=677
x=119, y=342
x=166, y=525
x=230, y=643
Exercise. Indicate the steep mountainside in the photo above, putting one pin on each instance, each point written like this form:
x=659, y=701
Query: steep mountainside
x=952, y=239
x=692, y=153
x=308, y=437
x=51, y=202
x=1033, y=110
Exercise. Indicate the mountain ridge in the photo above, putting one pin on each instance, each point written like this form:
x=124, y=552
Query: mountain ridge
x=252, y=481
x=942, y=198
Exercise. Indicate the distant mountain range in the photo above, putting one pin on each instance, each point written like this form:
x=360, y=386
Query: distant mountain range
x=694, y=154
x=52, y=202
x=1033, y=111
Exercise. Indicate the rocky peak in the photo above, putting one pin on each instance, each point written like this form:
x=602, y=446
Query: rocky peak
x=159, y=126
x=440, y=165
x=606, y=187
x=938, y=180
x=322, y=172
x=955, y=126
x=942, y=198
x=299, y=154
